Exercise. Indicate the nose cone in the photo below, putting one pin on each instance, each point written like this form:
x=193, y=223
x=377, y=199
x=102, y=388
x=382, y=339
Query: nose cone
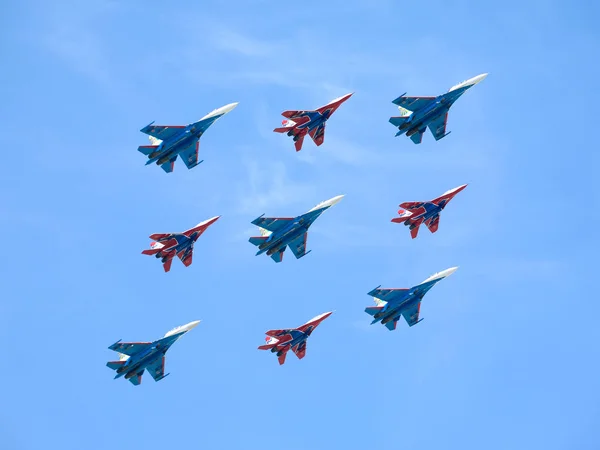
x=327, y=203
x=210, y=221
x=478, y=79
x=190, y=325
x=220, y=111
x=441, y=275
x=230, y=107
x=456, y=190
x=332, y=201
x=341, y=99
x=470, y=82
x=448, y=272
x=320, y=318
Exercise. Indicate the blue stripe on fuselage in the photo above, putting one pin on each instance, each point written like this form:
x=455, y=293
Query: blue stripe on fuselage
x=315, y=119
x=431, y=210
x=297, y=338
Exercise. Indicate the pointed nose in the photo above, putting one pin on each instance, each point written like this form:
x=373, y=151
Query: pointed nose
x=231, y=107
x=334, y=200
x=211, y=220
x=191, y=325
x=448, y=272
x=478, y=79
x=321, y=317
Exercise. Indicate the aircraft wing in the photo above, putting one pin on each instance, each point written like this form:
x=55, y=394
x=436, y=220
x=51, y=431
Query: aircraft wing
x=438, y=126
x=189, y=154
x=413, y=103
x=298, y=246
x=388, y=295
x=129, y=348
x=186, y=256
x=300, y=349
x=318, y=134
x=136, y=380
x=156, y=368
x=271, y=223
x=432, y=223
x=162, y=132
x=411, y=314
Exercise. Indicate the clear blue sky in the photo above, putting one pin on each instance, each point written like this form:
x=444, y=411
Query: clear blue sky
x=507, y=356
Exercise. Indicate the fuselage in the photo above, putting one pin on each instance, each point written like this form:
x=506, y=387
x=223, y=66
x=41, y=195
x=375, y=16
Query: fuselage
x=140, y=360
x=394, y=307
x=431, y=210
x=316, y=119
x=420, y=118
x=180, y=141
x=297, y=338
x=282, y=237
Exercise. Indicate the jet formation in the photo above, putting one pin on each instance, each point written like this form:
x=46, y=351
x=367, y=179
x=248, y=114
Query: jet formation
x=390, y=304
x=169, y=245
x=418, y=113
x=300, y=123
x=170, y=141
x=294, y=339
x=135, y=357
x=277, y=233
x=416, y=213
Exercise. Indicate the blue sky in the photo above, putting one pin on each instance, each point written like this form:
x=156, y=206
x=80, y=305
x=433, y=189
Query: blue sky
x=507, y=356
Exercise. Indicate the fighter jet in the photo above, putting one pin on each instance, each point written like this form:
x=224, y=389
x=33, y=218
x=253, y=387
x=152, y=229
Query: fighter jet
x=309, y=122
x=393, y=303
x=418, y=113
x=415, y=213
x=135, y=357
x=281, y=341
x=279, y=232
x=168, y=245
x=170, y=141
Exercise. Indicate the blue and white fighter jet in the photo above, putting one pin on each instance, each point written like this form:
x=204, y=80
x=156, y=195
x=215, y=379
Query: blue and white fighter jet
x=170, y=141
x=135, y=357
x=393, y=303
x=279, y=232
x=418, y=113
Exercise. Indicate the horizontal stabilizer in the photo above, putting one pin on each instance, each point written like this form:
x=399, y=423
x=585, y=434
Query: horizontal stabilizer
x=278, y=256
x=391, y=325
x=399, y=121
x=114, y=365
x=298, y=142
x=417, y=137
x=282, y=129
x=168, y=166
x=258, y=240
x=372, y=310
x=147, y=149
x=281, y=358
